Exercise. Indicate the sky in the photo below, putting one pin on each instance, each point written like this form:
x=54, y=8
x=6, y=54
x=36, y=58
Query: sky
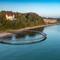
x=47, y=8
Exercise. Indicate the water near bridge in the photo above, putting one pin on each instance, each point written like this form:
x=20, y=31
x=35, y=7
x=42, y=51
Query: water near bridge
x=48, y=49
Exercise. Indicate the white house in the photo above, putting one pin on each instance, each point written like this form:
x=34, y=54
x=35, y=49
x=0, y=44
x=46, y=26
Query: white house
x=10, y=16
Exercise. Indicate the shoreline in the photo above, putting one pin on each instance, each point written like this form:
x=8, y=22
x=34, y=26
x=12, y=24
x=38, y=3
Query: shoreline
x=3, y=34
x=28, y=28
x=10, y=32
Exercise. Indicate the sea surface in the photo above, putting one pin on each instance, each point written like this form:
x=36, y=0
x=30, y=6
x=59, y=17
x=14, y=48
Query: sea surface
x=49, y=49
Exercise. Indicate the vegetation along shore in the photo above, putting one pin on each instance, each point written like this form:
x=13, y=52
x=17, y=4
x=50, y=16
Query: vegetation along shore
x=16, y=22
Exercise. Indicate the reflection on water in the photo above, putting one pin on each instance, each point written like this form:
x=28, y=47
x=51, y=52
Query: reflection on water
x=49, y=49
x=13, y=37
x=28, y=36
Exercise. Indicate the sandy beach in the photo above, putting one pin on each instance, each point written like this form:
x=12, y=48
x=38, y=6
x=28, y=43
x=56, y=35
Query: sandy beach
x=5, y=34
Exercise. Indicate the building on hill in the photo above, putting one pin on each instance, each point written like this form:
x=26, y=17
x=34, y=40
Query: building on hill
x=50, y=21
x=10, y=16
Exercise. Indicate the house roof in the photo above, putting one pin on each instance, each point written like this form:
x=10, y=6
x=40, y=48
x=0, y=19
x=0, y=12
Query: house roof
x=9, y=13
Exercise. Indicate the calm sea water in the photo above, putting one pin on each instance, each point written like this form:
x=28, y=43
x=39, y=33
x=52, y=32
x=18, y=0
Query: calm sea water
x=48, y=49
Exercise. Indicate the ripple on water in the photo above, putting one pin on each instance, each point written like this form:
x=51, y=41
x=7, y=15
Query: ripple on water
x=28, y=37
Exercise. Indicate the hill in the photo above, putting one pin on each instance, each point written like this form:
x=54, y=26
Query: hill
x=17, y=20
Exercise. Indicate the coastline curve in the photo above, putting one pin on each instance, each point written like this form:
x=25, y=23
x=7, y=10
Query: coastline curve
x=25, y=42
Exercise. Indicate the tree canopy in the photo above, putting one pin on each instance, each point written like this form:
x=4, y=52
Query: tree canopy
x=22, y=20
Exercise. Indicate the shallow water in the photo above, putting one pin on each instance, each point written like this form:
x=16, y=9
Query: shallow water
x=49, y=49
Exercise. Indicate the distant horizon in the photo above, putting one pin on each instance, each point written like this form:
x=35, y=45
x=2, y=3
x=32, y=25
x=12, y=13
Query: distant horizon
x=45, y=8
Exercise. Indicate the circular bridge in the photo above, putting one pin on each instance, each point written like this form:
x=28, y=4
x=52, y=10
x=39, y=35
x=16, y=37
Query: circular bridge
x=26, y=37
